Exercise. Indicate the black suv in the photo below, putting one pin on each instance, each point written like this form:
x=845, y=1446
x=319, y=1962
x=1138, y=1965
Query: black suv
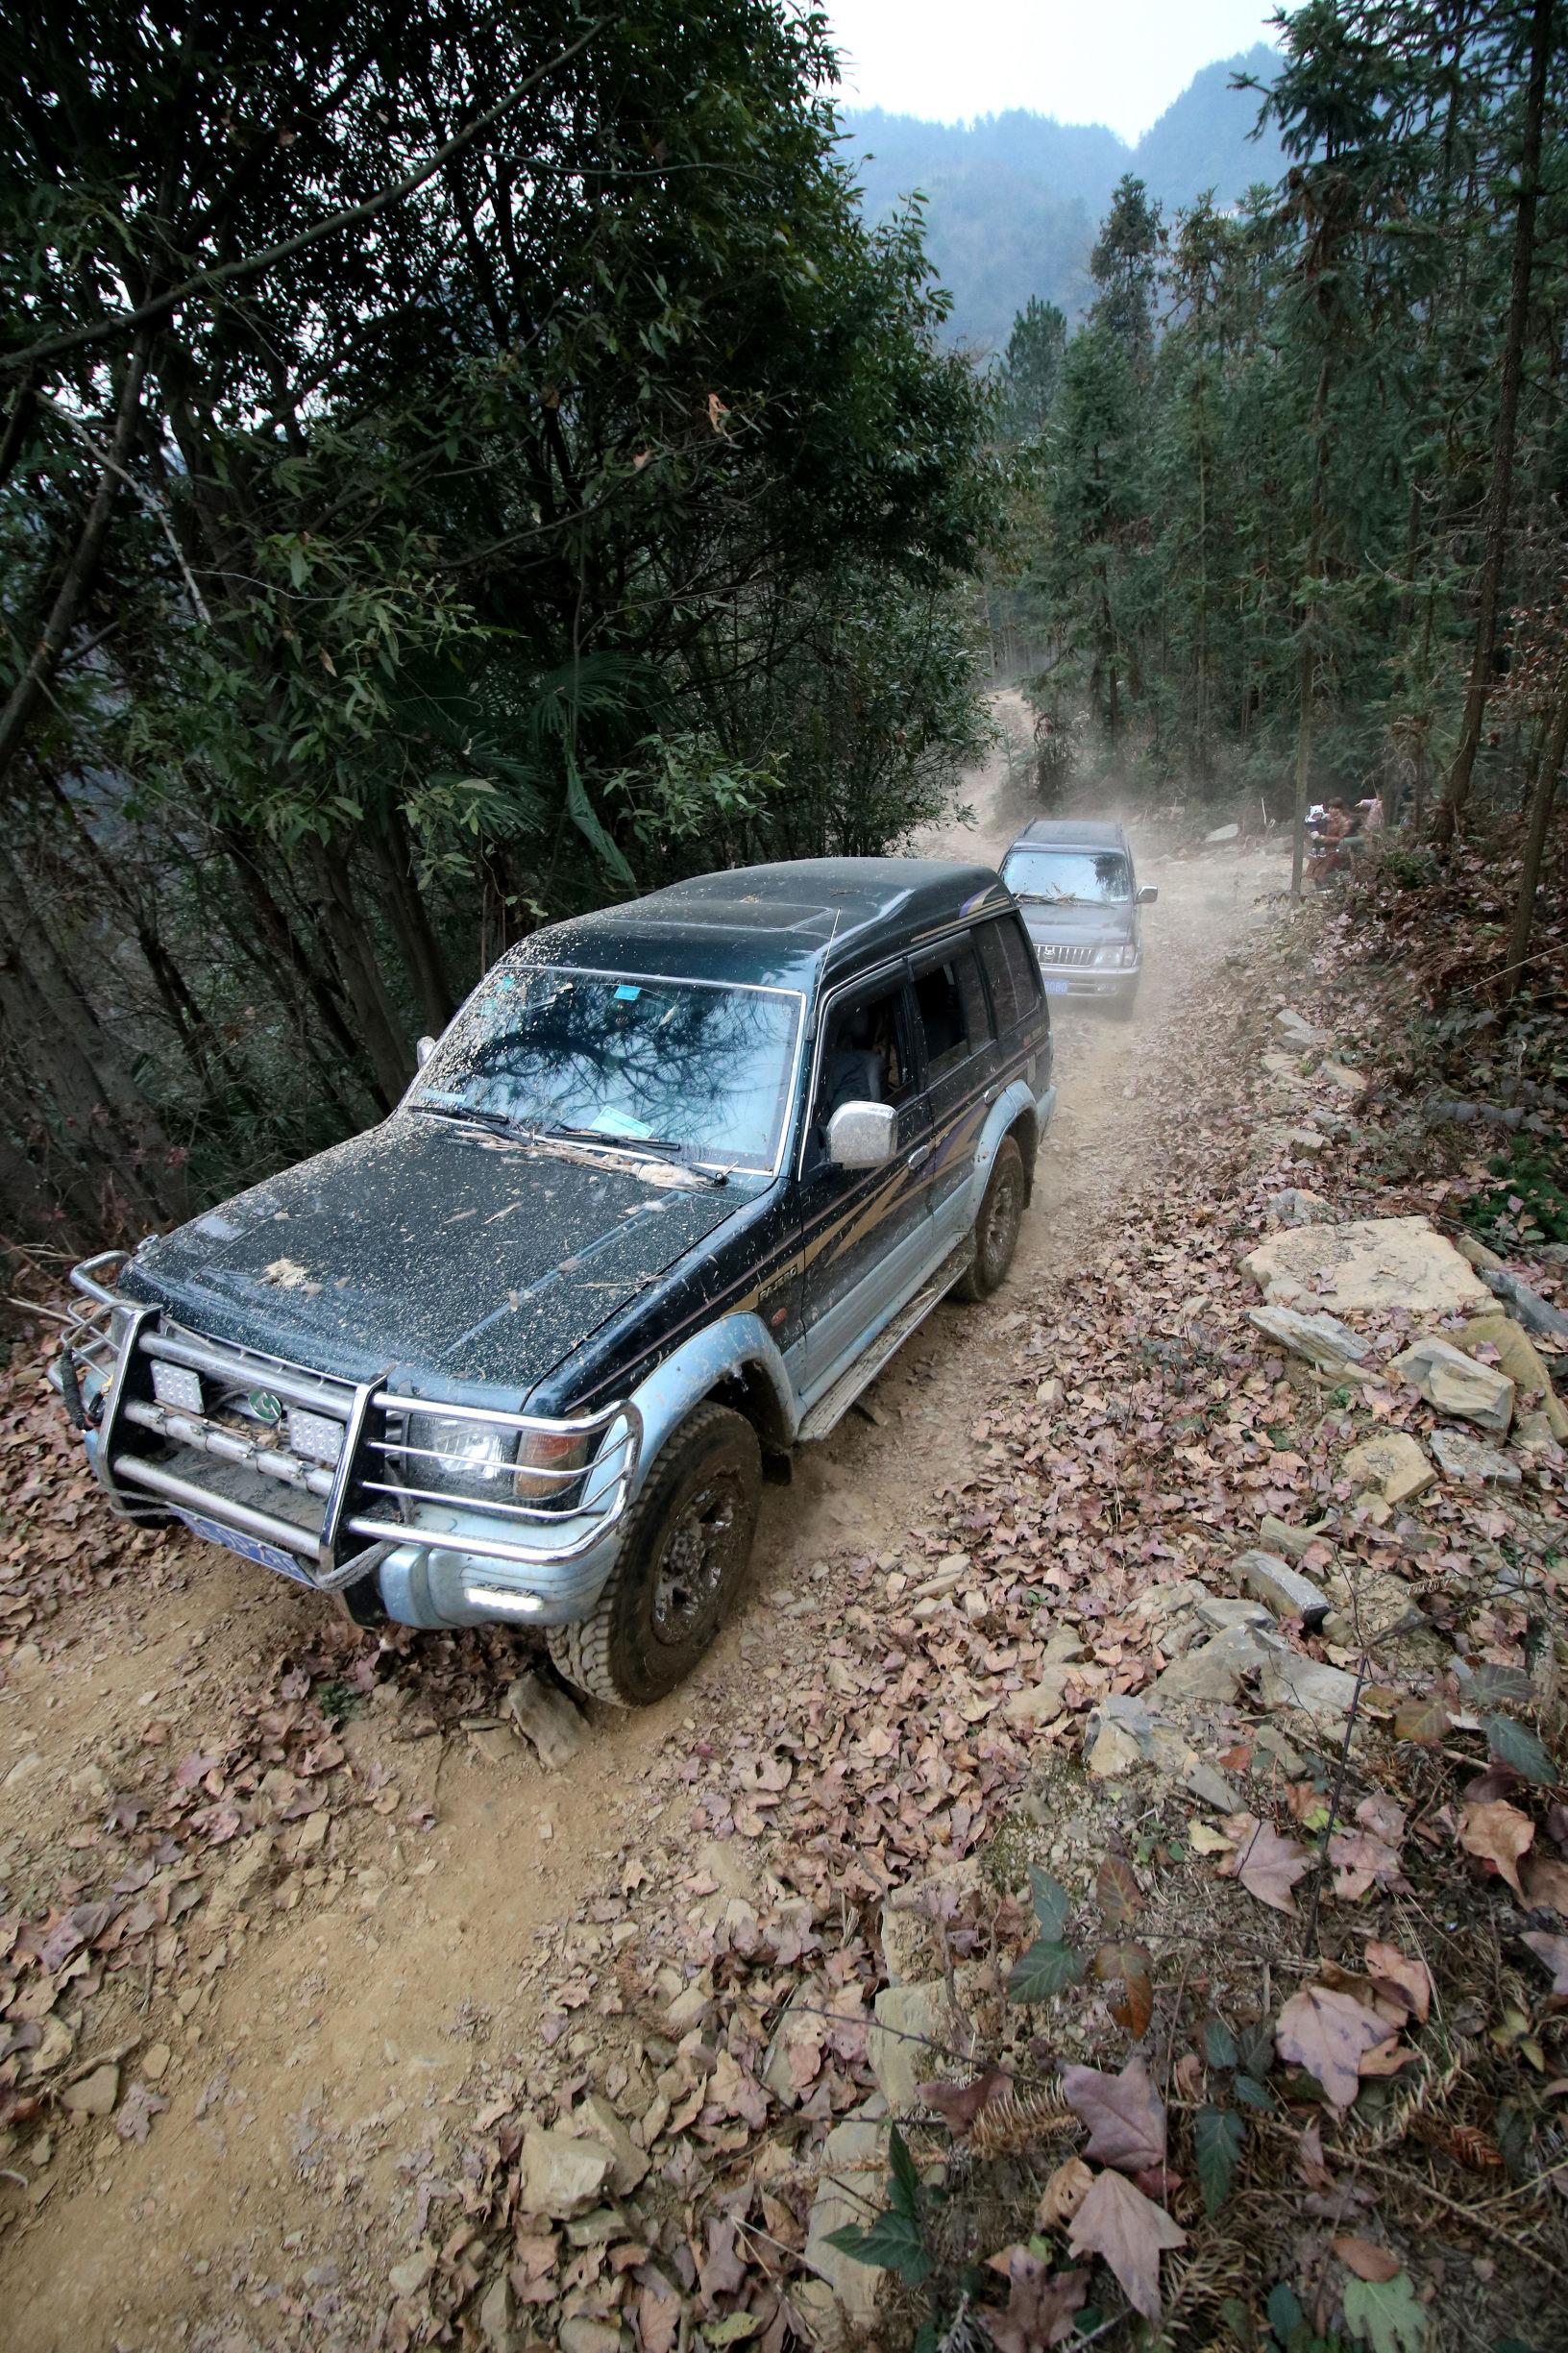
x=674, y=1184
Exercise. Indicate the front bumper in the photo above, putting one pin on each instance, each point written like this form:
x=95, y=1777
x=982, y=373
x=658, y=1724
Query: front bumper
x=1067, y=966
x=180, y=1427
x=1090, y=981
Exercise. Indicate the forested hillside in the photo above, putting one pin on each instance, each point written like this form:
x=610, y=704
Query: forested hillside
x=1012, y=200
x=1288, y=507
x=456, y=468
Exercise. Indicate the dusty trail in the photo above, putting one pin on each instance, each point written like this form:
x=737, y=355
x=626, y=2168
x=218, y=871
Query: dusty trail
x=351, y=2020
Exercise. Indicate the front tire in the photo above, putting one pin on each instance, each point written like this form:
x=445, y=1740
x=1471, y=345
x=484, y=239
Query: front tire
x=683, y=1555
x=996, y=1228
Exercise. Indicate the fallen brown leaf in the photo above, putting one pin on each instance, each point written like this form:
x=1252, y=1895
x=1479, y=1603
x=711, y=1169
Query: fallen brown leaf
x=959, y=2104
x=1040, y=2303
x=1553, y=1952
x=1130, y=1966
x=1126, y=2115
x=1496, y=1832
x=1368, y=2260
x=1406, y=1980
x=1130, y=2232
x=1326, y=2033
x=1117, y=1893
x=1064, y=2194
x=1546, y=1883
x=1267, y=1865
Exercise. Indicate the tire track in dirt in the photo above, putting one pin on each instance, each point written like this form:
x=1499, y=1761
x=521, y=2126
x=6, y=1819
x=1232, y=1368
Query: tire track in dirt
x=348, y=2023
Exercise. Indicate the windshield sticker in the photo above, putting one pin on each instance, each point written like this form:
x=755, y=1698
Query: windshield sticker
x=626, y=995
x=612, y=1123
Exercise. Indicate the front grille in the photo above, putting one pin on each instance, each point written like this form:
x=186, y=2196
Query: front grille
x=326, y=1471
x=1054, y=952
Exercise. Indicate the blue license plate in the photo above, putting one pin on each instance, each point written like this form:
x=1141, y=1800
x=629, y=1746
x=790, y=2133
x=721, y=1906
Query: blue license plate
x=1057, y=984
x=269, y=1555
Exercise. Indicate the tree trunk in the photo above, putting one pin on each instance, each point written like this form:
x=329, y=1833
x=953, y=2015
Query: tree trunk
x=1552, y=752
x=392, y=852
x=1309, y=622
x=78, y=1072
x=1304, y=771
x=295, y=953
x=355, y=958
x=80, y=571
x=1456, y=790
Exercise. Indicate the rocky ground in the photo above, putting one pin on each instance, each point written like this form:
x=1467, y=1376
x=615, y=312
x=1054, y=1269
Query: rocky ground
x=1116, y=1857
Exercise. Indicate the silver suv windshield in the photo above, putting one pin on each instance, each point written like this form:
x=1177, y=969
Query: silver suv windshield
x=692, y=1068
x=1075, y=877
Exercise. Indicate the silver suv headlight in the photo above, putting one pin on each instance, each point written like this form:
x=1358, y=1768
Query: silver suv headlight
x=457, y=1458
x=1117, y=956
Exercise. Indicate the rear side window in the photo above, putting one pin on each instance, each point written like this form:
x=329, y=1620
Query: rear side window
x=1010, y=969
x=953, y=1014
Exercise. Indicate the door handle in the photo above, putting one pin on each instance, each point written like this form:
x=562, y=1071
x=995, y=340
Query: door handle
x=918, y=1156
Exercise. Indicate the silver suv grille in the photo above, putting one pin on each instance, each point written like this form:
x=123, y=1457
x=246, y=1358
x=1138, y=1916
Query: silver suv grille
x=1055, y=952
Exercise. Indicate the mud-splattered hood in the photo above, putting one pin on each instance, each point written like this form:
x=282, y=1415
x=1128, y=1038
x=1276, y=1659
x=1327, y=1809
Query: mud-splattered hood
x=429, y=1249
x=1051, y=922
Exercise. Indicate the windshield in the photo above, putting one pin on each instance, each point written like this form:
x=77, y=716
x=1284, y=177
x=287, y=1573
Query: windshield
x=631, y=1060
x=1083, y=878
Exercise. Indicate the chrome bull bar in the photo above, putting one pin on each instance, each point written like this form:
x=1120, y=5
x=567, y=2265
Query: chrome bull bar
x=333, y=1519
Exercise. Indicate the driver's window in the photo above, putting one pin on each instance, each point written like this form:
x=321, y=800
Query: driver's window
x=866, y=1056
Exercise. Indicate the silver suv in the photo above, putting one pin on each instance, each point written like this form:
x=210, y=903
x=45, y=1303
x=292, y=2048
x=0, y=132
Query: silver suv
x=1074, y=881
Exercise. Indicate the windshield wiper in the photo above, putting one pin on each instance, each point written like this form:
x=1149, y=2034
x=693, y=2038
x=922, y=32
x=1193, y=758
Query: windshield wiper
x=649, y=1147
x=470, y=1115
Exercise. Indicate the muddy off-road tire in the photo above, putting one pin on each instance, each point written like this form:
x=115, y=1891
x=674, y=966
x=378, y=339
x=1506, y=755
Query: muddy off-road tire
x=683, y=1554
x=996, y=1228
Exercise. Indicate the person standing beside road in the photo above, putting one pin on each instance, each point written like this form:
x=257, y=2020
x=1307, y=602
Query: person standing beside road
x=1337, y=824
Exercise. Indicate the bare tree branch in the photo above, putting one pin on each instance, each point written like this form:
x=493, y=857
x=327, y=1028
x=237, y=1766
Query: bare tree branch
x=247, y=265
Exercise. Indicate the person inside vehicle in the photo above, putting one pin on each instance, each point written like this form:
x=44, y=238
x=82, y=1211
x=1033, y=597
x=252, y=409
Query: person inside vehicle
x=854, y=1069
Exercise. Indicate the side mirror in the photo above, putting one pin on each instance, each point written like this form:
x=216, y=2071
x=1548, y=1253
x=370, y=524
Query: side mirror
x=424, y=1050
x=861, y=1135
x=1147, y=896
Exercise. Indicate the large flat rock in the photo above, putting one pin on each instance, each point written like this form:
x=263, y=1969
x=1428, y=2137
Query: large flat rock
x=1456, y=1384
x=838, y=2298
x=1370, y=1263
x=1517, y=1355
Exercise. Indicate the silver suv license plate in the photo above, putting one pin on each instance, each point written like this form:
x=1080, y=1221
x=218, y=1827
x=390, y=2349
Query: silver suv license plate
x=270, y=1556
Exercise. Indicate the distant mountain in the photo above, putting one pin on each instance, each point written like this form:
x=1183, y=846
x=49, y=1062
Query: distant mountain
x=1013, y=201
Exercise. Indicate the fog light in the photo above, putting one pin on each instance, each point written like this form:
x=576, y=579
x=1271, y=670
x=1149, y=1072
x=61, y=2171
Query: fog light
x=315, y=1436
x=503, y=1601
x=176, y=1386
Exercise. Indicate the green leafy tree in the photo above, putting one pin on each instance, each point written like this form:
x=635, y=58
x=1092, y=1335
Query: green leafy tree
x=442, y=460
x=1032, y=367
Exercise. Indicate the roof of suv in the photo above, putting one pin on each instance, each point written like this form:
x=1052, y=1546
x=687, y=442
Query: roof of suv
x=782, y=926
x=1075, y=833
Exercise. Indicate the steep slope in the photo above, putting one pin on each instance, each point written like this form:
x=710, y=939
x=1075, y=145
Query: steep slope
x=1013, y=200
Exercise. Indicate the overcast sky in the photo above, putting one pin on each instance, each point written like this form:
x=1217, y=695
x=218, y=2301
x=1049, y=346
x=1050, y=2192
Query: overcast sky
x=1117, y=62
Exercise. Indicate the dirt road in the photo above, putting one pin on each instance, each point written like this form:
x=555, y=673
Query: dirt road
x=353, y=1962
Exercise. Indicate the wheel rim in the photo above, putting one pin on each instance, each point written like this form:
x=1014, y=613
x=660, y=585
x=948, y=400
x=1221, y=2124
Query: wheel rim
x=1001, y=1221
x=704, y=1544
